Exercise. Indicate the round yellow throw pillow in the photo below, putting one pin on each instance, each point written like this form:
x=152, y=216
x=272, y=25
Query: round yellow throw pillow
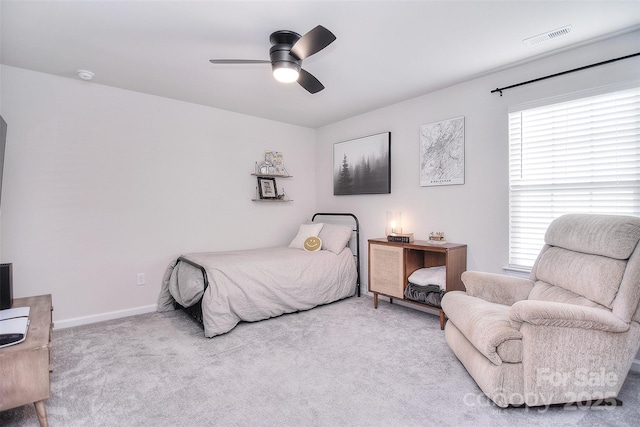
x=312, y=244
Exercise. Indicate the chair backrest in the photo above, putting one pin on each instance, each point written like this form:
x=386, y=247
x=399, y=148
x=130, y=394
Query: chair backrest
x=593, y=260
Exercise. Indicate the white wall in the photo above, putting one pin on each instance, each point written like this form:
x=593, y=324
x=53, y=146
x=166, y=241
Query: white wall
x=101, y=184
x=475, y=213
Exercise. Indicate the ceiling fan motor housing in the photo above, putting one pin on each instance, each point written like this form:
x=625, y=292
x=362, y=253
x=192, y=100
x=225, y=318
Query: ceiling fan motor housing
x=281, y=57
x=280, y=52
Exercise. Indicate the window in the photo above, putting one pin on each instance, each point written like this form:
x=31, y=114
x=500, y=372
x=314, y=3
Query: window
x=579, y=156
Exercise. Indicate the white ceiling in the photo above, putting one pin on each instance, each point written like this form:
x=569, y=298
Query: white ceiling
x=385, y=52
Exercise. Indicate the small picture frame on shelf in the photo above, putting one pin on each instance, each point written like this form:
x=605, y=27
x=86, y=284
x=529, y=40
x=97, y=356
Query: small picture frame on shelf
x=267, y=188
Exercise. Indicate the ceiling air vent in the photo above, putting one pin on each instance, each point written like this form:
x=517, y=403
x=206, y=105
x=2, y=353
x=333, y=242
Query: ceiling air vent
x=549, y=35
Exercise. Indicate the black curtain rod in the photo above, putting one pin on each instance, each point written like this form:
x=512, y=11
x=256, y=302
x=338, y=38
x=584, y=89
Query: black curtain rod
x=564, y=72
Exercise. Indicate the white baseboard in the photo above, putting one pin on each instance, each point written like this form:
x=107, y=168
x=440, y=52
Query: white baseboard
x=69, y=323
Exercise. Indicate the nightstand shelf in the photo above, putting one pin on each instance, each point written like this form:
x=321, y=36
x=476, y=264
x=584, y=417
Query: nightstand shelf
x=391, y=264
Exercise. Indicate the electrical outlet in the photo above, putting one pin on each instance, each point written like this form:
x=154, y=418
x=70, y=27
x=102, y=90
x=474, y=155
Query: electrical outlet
x=141, y=280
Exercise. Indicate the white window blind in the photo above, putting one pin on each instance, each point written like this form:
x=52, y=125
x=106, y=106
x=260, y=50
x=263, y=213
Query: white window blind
x=580, y=156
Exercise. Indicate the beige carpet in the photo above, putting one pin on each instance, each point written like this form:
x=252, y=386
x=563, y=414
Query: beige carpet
x=343, y=364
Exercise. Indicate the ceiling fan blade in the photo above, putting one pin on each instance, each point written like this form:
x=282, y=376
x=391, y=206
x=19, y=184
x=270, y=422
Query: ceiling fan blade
x=239, y=61
x=309, y=82
x=312, y=42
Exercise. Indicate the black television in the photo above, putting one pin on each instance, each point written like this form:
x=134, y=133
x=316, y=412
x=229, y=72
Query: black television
x=3, y=140
x=6, y=280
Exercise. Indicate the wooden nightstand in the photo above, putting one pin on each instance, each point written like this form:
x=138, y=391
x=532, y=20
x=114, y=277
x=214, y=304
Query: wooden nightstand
x=391, y=264
x=25, y=367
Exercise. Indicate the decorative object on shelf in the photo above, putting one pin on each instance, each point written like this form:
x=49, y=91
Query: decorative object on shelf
x=273, y=165
x=437, y=238
x=283, y=196
x=267, y=188
x=276, y=159
x=265, y=168
x=442, y=153
x=362, y=165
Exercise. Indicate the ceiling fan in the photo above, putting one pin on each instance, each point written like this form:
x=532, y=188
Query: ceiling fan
x=287, y=53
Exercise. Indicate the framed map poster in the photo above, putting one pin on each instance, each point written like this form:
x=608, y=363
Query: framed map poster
x=442, y=153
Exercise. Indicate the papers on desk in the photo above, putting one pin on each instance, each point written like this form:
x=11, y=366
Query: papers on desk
x=11, y=313
x=14, y=323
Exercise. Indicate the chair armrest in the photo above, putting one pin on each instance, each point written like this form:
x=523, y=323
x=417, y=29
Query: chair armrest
x=496, y=288
x=545, y=313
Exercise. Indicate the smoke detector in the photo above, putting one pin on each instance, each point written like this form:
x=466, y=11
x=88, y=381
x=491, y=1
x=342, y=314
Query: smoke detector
x=84, y=74
x=549, y=35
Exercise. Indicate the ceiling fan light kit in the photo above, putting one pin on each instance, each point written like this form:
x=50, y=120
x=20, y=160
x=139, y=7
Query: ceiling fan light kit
x=285, y=73
x=286, y=54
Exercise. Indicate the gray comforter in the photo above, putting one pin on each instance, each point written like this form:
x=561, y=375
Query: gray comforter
x=257, y=284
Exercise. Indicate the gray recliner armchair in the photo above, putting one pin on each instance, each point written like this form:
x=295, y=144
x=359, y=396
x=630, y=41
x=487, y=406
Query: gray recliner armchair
x=567, y=334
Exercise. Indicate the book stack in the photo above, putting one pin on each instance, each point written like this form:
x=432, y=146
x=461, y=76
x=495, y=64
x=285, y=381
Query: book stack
x=400, y=238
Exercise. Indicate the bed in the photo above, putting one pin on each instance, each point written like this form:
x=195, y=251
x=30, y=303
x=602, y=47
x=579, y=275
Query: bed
x=221, y=289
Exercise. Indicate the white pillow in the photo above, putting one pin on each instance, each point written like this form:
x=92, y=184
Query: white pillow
x=430, y=276
x=304, y=232
x=335, y=237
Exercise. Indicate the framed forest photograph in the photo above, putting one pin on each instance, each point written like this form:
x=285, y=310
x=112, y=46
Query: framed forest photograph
x=362, y=165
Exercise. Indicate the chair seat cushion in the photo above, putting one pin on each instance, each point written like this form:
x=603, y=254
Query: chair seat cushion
x=486, y=325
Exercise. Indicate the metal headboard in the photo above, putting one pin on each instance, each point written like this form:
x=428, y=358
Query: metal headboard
x=356, y=229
